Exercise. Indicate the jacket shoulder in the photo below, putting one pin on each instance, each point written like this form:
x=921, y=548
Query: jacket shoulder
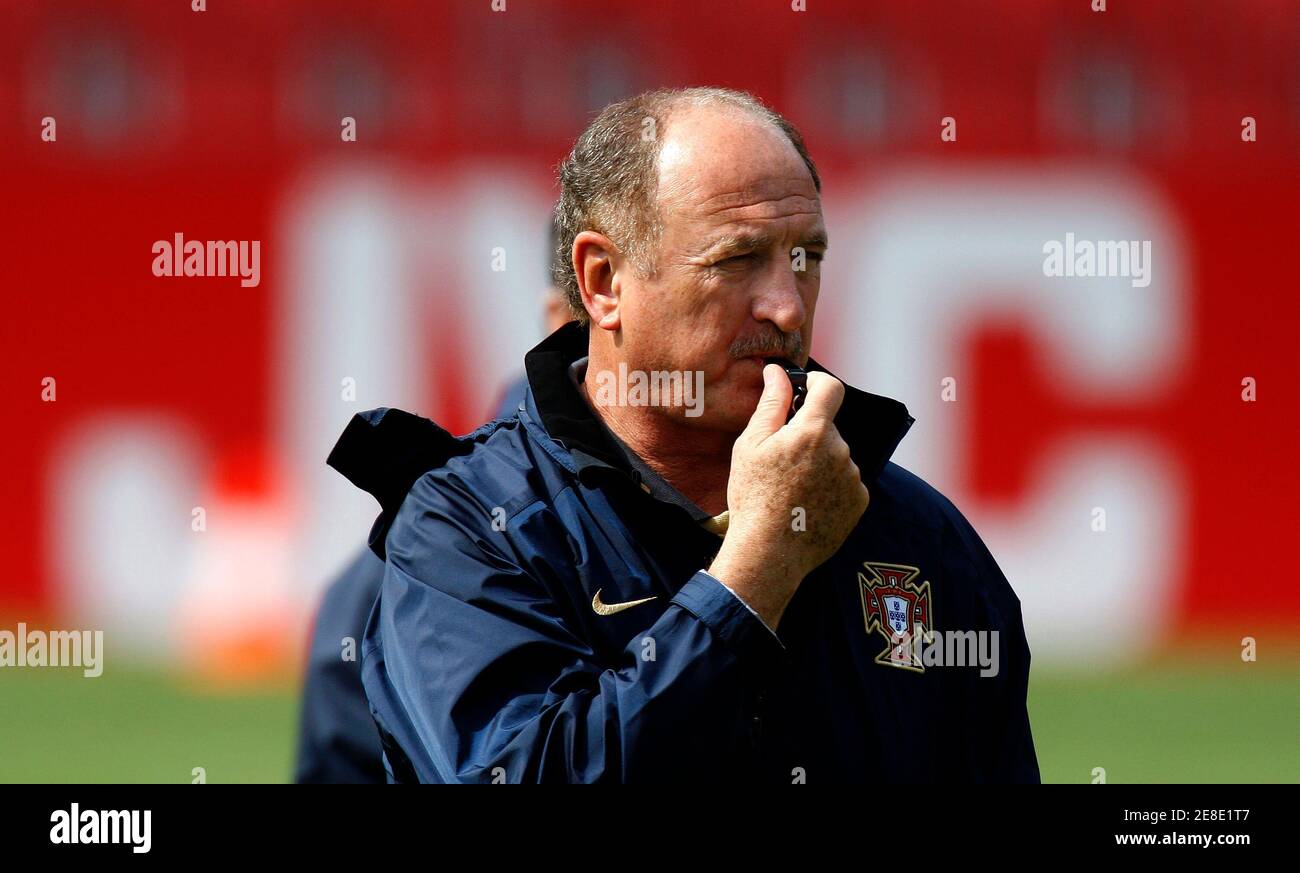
x=397, y=456
x=907, y=497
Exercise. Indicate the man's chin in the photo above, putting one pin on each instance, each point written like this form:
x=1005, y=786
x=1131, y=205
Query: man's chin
x=728, y=401
x=731, y=411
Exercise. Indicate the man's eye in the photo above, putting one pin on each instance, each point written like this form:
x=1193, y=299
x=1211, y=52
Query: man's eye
x=737, y=260
x=816, y=256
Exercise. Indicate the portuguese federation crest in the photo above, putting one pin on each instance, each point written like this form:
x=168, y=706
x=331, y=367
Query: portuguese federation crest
x=898, y=609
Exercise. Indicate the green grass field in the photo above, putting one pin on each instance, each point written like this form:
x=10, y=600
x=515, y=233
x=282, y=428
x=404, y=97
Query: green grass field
x=1173, y=722
x=1179, y=722
x=138, y=725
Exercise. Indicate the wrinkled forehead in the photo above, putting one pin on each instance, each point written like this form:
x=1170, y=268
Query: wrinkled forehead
x=723, y=166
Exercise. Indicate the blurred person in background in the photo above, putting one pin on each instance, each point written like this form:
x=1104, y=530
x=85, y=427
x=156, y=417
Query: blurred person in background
x=337, y=738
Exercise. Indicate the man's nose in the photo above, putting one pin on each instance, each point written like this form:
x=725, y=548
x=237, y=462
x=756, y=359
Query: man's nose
x=778, y=299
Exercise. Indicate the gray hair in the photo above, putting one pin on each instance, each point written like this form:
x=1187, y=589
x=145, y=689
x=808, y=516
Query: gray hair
x=609, y=182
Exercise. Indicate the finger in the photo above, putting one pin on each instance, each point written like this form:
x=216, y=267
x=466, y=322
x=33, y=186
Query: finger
x=773, y=406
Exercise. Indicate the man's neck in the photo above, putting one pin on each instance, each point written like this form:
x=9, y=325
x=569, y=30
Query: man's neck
x=696, y=464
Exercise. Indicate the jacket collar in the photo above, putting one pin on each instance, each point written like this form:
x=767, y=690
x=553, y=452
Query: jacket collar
x=872, y=425
x=384, y=451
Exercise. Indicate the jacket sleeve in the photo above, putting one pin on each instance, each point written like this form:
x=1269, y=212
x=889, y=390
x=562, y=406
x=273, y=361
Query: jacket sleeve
x=1006, y=734
x=489, y=679
x=1014, y=758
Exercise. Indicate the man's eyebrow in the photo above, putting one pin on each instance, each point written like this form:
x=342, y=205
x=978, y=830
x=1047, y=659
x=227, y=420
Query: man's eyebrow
x=740, y=241
x=816, y=238
x=750, y=240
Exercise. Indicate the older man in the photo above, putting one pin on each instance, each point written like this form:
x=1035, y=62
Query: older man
x=628, y=584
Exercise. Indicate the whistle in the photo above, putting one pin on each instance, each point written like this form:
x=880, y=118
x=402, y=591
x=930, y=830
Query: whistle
x=798, y=377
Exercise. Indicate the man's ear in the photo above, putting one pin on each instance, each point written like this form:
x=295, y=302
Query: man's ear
x=595, y=262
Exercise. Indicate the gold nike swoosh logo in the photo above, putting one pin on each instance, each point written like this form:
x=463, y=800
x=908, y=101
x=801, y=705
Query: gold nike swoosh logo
x=611, y=608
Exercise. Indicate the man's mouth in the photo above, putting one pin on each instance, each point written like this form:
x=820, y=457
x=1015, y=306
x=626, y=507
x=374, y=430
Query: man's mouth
x=761, y=360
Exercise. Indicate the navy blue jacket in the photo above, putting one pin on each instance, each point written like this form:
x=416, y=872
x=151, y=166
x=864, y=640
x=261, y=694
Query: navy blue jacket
x=337, y=740
x=484, y=659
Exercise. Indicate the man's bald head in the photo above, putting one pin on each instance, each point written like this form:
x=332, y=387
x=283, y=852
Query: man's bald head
x=610, y=182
